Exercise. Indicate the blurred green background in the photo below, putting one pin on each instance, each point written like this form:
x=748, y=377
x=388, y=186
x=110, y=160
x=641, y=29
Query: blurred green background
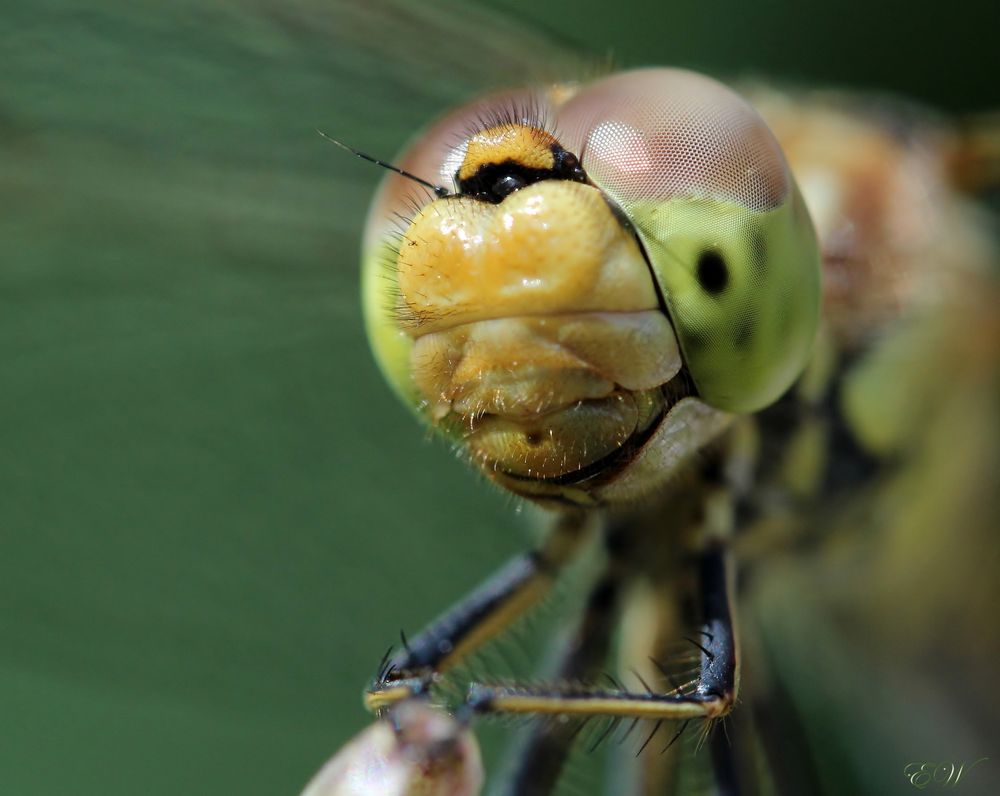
x=213, y=515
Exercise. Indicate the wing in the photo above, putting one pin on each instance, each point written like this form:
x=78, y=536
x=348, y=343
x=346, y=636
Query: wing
x=186, y=383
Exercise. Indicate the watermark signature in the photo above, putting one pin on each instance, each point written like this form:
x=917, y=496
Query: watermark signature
x=941, y=775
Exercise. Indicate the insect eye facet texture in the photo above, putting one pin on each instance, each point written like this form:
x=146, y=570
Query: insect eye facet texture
x=706, y=186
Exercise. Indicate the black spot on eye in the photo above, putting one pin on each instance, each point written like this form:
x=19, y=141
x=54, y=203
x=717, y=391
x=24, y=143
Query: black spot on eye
x=713, y=273
x=745, y=330
x=507, y=184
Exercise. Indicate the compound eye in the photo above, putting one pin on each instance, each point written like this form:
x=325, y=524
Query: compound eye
x=707, y=188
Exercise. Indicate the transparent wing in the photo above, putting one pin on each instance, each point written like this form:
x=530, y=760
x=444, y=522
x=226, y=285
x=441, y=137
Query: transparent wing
x=186, y=383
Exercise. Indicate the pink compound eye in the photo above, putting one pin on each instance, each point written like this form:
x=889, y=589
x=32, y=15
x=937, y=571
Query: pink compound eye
x=707, y=189
x=661, y=133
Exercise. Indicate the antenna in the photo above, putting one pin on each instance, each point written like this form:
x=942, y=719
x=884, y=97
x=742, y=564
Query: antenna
x=438, y=190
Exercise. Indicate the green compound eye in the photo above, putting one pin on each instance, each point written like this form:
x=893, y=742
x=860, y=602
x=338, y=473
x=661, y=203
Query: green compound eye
x=731, y=246
x=743, y=291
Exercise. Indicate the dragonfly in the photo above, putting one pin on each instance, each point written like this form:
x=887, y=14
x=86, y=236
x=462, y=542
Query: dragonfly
x=726, y=362
x=216, y=517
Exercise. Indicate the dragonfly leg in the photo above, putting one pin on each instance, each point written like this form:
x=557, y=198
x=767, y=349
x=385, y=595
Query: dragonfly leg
x=713, y=693
x=543, y=752
x=479, y=616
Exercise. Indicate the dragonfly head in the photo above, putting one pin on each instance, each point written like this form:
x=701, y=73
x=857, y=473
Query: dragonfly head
x=613, y=276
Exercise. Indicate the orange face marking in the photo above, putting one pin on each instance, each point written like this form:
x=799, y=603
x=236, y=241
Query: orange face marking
x=526, y=146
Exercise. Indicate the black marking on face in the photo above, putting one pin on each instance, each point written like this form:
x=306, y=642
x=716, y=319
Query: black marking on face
x=507, y=184
x=568, y=165
x=712, y=273
x=494, y=182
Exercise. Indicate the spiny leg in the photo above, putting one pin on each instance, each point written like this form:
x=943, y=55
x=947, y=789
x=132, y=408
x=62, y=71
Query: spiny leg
x=712, y=697
x=484, y=613
x=656, y=614
x=543, y=753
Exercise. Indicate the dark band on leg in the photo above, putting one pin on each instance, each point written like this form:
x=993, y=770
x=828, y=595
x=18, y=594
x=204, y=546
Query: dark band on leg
x=484, y=613
x=718, y=641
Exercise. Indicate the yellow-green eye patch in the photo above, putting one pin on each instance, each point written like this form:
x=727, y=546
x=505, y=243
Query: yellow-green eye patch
x=729, y=241
x=743, y=292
